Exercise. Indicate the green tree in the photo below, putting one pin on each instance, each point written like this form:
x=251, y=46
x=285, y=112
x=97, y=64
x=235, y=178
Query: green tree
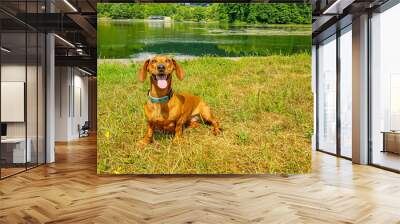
x=199, y=14
x=223, y=12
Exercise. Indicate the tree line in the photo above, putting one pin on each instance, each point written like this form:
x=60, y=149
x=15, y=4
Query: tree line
x=223, y=12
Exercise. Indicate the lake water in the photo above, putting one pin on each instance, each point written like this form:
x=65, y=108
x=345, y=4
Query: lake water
x=139, y=39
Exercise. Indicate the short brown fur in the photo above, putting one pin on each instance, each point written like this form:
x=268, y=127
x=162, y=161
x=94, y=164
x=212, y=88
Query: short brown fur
x=180, y=110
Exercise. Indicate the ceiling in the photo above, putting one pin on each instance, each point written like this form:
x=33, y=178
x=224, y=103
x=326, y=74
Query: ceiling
x=73, y=21
x=331, y=15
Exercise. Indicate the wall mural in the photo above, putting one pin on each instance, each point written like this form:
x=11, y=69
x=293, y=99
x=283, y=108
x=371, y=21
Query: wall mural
x=204, y=88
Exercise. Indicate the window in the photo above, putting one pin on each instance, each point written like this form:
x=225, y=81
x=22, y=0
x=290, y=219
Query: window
x=346, y=92
x=385, y=89
x=327, y=95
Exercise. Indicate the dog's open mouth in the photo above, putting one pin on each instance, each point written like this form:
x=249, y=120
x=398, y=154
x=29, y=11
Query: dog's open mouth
x=161, y=81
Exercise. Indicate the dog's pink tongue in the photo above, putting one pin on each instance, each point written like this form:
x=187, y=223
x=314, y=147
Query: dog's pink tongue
x=162, y=84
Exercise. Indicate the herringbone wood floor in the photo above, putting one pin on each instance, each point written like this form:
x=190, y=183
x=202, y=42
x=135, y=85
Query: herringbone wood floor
x=69, y=191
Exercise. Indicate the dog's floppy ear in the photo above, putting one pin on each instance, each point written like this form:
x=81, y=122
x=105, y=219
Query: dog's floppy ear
x=143, y=71
x=178, y=70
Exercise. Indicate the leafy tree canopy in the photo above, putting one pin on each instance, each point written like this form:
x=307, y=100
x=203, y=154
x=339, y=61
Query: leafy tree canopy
x=223, y=12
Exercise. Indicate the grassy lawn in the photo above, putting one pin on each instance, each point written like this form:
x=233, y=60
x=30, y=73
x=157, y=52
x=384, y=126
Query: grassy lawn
x=264, y=105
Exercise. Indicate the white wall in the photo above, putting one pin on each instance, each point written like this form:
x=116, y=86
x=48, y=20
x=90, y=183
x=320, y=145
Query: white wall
x=33, y=126
x=62, y=82
x=70, y=83
x=80, y=88
x=10, y=73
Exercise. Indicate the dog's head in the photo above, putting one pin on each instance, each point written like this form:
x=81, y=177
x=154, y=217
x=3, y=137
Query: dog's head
x=161, y=68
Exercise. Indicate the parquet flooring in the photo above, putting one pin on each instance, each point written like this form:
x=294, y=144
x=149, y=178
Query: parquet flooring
x=69, y=191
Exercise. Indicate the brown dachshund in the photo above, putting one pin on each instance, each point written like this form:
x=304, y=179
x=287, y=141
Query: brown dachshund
x=167, y=110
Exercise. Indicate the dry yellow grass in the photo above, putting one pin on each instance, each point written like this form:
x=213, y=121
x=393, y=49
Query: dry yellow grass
x=264, y=104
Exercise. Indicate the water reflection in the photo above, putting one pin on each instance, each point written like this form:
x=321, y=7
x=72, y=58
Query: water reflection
x=137, y=39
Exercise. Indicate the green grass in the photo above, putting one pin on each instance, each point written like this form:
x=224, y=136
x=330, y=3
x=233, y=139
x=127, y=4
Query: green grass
x=264, y=105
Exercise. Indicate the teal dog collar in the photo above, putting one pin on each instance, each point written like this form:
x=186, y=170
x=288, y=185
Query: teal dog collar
x=163, y=99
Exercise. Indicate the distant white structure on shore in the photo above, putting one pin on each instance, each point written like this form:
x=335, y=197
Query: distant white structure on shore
x=160, y=18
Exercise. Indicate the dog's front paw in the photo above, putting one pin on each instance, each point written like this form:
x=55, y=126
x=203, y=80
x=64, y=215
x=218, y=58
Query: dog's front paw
x=216, y=131
x=194, y=124
x=144, y=142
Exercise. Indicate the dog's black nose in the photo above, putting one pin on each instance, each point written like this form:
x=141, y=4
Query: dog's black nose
x=160, y=67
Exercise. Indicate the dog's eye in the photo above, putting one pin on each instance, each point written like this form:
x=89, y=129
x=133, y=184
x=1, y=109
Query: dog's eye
x=153, y=61
x=168, y=61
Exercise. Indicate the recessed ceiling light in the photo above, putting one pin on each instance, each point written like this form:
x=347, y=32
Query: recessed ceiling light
x=84, y=71
x=5, y=50
x=337, y=7
x=64, y=40
x=70, y=5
